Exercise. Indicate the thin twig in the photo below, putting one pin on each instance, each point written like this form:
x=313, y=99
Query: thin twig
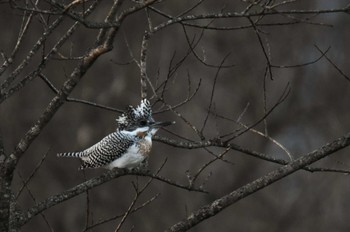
x=201, y=169
x=138, y=193
x=137, y=208
x=70, y=99
x=212, y=95
x=94, y=182
x=267, y=58
x=25, y=184
x=30, y=177
x=282, y=98
x=332, y=63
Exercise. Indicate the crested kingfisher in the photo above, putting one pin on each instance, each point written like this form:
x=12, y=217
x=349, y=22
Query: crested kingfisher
x=128, y=146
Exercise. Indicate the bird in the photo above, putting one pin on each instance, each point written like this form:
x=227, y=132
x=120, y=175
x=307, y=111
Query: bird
x=128, y=146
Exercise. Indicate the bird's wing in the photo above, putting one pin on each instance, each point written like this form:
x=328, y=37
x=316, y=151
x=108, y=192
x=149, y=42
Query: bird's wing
x=107, y=150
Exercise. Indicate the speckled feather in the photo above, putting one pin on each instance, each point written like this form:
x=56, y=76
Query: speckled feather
x=132, y=115
x=110, y=148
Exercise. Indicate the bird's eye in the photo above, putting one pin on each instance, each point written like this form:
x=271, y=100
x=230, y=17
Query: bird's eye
x=143, y=123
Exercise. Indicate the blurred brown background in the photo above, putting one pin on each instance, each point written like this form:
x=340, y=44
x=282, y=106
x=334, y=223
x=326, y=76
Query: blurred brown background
x=315, y=112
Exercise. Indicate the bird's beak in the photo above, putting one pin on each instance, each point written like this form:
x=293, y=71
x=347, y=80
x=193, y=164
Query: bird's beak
x=161, y=124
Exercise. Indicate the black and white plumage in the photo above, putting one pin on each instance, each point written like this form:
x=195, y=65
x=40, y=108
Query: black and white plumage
x=133, y=116
x=128, y=146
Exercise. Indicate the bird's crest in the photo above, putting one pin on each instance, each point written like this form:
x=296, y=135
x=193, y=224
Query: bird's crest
x=133, y=115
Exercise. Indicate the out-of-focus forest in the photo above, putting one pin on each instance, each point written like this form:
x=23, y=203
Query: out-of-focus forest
x=270, y=77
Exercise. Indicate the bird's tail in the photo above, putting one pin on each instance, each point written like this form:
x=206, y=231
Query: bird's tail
x=70, y=154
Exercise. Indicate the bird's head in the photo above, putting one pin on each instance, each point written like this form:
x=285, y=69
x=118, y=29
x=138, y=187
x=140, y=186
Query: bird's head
x=135, y=117
x=140, y=120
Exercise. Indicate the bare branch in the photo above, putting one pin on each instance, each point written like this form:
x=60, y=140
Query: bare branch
x=282, y=98
x=220, y=204
x=94, y=182
x=244, y=150
x=70, y=99
x=22, y=32
x=212, y=95
x=135, y=209
x=26, y=181
x=303, y=64
x=245, y=15
x=143, y=65
x=9, y=80
x=267, y=56
x=201, y=169
x=25, y=185
x=333, y=64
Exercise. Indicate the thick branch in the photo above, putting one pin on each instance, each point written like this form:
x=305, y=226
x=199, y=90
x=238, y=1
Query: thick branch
x=9, y=164
x=83, y=187
x=5, y=191
x=220, y=204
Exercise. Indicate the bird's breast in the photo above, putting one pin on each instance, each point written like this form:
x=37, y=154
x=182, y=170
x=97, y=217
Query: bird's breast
x=144, y=146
